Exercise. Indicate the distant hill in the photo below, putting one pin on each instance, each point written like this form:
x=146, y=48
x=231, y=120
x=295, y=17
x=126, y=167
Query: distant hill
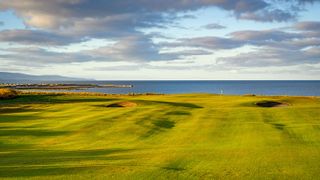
x=19, y=77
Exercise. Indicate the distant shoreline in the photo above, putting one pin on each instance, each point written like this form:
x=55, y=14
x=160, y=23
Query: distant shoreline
x=60, y=86
x=65, y=93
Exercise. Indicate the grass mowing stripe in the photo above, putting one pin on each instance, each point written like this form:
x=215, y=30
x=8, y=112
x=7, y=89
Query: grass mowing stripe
x=192, y=136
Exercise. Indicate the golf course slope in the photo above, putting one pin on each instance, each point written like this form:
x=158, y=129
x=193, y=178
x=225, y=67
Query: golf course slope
x=187, y=136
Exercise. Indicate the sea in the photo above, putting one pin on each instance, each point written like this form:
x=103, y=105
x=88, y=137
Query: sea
x=292, y=87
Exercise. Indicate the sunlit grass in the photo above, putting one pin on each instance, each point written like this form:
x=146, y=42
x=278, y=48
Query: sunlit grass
x=194, y=136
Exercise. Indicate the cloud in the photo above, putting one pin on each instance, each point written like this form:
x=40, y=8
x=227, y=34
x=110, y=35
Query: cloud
x=307, y=1
x=167, y=65
x=131, y=48
x=106, y=19
x=70, y=14
x=128, y=49
x=214, y=26
x=140, y=48
x=61, y=22
x=313, y=51
x=35, y=37
x=210, y=42
x=36, y=56
x=277, y=38
x=269, y=56
x=307, y=26
x=1, y=23
x=189, y=52
x=296, y=44
x=269, y=15
x=248, y=37
x=263, y=35
x=270, y=47
x=134, y=67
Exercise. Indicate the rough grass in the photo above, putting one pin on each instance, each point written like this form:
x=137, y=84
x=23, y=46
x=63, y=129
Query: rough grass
x=194, y=136
x=7, y=93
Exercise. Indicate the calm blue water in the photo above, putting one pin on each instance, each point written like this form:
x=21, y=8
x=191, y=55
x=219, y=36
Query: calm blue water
x=300, y=88
x=303, y=88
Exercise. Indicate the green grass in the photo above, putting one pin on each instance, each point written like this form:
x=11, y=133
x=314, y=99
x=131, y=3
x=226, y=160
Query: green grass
x=195, y=136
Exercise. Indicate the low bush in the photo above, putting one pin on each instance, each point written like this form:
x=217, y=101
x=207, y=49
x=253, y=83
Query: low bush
x=7, y=93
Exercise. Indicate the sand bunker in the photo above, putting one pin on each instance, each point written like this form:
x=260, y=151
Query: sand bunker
x=270, y=104
x=123, y=104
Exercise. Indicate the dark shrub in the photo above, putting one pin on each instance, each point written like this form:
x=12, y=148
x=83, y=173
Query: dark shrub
x=8, y=93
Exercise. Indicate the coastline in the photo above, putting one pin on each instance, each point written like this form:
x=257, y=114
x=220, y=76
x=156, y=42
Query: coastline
x=60, y=86
x=30, y=92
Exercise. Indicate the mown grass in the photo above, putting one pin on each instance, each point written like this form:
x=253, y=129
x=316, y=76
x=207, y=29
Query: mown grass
x=195, y=136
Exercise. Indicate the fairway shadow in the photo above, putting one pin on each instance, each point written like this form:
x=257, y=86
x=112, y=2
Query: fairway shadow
x=8, y=109
x=5, y=146
x=177, y=104
x=31, y=163
x=53, y=99
x=174, y=168
x=175, y=165
x=159, y=126
x=288, y=133
x=269, y=120
x=20, y=171
x=278, y=126
x=161, y=121
x=17, y=118
x=31, y=132
x=179, y=113
x=164, y=124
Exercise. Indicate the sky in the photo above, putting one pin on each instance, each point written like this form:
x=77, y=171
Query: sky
x=162, y=39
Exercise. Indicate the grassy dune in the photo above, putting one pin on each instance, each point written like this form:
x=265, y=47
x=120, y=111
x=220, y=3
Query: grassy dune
x=196, y=136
